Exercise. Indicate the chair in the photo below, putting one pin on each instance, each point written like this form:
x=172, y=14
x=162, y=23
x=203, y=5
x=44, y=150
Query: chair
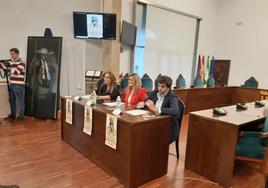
x=156, y=82
x=211, y=82
x=124, y=82
x=198, y=83
x=126, y=75
x=180, y=82
x=147, y=82
x=251, y=147
x=251, y=83
x=181, y=107
x=100, y=82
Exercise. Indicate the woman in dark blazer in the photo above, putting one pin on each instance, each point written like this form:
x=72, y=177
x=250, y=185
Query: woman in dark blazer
x=109, y=90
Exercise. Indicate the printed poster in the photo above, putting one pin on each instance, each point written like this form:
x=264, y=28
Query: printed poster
x=88, y=120
x=111, y=131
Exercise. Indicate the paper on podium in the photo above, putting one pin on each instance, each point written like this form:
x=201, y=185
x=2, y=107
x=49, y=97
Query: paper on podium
x=112, y=104
x=90, y=73
x=97, y=73
x=137, y=112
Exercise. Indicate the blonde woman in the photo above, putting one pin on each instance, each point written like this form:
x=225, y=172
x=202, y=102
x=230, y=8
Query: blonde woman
x=134, y=93
x=109, y=90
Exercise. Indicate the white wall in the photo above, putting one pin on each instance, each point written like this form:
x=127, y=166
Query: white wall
x=20, y=19
x=170, y=45
x=242, y=36
x=125, y=55
x=207, y=9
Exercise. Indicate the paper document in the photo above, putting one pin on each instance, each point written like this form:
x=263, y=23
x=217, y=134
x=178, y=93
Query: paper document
x=112, y=104
x=137, y=112
x=86, y=97
x=90, y=73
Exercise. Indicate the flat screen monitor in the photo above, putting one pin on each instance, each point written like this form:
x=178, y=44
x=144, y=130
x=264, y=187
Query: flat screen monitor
x=128, y=34
x=88, y=25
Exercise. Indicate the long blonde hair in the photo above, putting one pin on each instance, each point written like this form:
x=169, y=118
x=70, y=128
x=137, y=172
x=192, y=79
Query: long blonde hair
x=113, y=83
x=137, y=82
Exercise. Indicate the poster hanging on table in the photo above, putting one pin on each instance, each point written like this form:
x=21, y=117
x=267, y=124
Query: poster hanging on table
x=111, y=131
x=69, y=111
x=88, y=120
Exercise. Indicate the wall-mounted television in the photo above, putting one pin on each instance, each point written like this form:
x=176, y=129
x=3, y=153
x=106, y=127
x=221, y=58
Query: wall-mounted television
x=128, y=33
x=89, y=25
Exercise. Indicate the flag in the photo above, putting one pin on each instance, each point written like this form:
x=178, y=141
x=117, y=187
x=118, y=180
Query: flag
x=202, y=70
x=212, y=67
x=198, y=67
x=207, y=68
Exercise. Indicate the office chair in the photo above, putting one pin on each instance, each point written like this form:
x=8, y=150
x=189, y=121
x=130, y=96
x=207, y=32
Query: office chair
x=211, y=82
x=198, y=82
x=181, y=107
x=251, y=147
x=156, y=82
x=180, y=82
x=146, y=82
x=251, y=83
x=124, y=82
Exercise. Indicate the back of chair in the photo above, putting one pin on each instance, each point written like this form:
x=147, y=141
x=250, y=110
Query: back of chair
x=124, y=83
x=146, y=82
x=199, y=83
x=251, y=82
x=211, y=82
x=265, y=126
x=100, y=83
x=180, y=82
x=181, y=107
x=156, y=82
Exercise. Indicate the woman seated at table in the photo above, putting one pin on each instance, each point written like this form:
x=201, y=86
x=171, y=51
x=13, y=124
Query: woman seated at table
x=109, y=90
x=134, y=93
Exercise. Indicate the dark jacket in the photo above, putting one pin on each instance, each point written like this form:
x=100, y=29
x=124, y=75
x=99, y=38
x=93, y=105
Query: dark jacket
x=170, y=106
x=102, y=91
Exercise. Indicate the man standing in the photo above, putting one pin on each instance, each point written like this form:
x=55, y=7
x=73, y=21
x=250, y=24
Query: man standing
x=16, y=67
x=165, y=102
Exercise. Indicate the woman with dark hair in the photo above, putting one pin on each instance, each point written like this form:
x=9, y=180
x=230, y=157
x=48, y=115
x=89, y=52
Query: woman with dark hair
x=109, y=90
x=134, y=93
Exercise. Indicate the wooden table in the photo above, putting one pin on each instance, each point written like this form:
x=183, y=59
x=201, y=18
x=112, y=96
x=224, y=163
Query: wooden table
x=142, y=143
x=211, y=141
x=205, y=98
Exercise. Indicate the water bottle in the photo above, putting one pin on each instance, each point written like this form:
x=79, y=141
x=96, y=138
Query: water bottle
x=78, y=90
x=94, y=98
x=118, y=103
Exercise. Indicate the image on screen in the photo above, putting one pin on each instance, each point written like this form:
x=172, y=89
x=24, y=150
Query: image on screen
x=89, y=25
x=94, y=26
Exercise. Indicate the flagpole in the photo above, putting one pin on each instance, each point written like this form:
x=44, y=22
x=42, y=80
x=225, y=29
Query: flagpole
x=195, y=51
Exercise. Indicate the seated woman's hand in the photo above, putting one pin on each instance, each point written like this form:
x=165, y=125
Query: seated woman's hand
x=140, y=105
x=149, y=103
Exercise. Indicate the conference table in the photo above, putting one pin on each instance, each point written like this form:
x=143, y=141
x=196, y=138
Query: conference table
x=212, y=140
x=205, y=98
x=142, y=143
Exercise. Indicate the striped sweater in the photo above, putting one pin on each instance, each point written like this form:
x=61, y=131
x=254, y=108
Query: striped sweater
x=17, y=71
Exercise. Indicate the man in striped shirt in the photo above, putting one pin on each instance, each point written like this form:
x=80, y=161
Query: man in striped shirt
x=16, y=67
